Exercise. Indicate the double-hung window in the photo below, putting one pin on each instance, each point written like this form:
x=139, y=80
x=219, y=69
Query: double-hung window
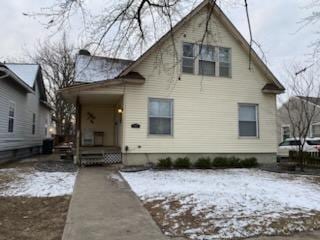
x=285, y=132
x=224, y=62
x=11, y=115
x=248, y=120
x=160, y=116
x=33, y=123
x=315, y=130
x=188, y=58
x=207, y=60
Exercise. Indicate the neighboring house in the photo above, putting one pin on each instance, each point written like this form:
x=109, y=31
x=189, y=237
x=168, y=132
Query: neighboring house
x=204, y=104
x=24, y=111
x=288, y=124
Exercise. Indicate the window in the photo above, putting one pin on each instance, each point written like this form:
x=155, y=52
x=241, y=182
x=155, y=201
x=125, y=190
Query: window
x=188, y=58
x=33, y=123
x=160, y=116
x=248, y=120
x=224, y=62
x=313, y=142
x=290, y=143
x=285, y=132
x=315, y=130
x=207, y=62
x=12, y=107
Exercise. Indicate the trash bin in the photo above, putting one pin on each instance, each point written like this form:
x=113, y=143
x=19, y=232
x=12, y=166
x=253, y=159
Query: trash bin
x=47, y=146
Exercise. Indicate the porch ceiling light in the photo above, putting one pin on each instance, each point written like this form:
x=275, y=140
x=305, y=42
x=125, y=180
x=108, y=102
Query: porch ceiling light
x=120, y=110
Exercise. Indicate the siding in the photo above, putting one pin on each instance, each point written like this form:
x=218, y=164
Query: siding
x=26, y=105
x=205, y=108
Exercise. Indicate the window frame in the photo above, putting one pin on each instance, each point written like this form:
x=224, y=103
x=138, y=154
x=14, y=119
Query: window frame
x=199, y=48
x=194, y=58
x=282, y=132
x=172, y=117
x=33, y=126
x=230, y=62
x=11, y=104
x=257, y=120
x=311, y=129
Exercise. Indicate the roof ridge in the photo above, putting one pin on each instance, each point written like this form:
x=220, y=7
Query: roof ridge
x=111, y=58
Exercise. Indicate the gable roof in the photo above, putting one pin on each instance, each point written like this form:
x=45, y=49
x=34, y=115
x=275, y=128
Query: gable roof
x=90, y=69
x=313, y=100
x=228, y=24
x=26, y=72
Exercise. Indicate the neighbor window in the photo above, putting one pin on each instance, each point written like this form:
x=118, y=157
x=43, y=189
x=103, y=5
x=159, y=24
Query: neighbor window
x=207, y=61
x=160, y=116
x=188, y=58
x=33, y=123
x=224, y=62
x=11, y=116
x=248, y=120
x=315, y=130
x=285, y=132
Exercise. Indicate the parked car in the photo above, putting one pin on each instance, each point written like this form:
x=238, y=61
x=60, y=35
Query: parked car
x=292, y=144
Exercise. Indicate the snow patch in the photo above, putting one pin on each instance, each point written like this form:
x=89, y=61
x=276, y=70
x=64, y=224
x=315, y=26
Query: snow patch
x=238, y=203
x=39, y=184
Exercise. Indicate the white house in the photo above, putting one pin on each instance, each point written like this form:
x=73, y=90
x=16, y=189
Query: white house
x=24, y=111
x=206, y=103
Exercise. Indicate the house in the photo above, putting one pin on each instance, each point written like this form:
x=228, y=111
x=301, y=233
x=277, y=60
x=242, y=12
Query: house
x=295, y=115
x=205, y=103
x=24, y=111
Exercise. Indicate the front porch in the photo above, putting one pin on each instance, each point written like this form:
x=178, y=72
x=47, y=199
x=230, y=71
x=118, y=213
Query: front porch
x=99, y=128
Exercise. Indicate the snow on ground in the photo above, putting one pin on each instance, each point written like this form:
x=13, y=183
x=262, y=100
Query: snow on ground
x=230, y=203
x=34, y=183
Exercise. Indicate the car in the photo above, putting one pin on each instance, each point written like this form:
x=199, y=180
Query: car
x=292, y=144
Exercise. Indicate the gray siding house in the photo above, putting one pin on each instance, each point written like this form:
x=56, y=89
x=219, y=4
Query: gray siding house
x=24, y=111
x=284, y=124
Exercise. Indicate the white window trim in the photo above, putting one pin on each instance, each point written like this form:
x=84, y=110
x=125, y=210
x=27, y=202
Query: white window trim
x=172, y=117
x=196, y=58
x=257, y=121
x=311, y=128
x=282, y=132
x=12, y=103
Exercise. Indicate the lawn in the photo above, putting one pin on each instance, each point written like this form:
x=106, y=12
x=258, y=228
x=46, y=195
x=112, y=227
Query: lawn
x=228, y=204
x=34, y=203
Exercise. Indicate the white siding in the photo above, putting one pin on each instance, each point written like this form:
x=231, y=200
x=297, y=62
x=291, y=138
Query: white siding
x=25, y=106
x=205, y=108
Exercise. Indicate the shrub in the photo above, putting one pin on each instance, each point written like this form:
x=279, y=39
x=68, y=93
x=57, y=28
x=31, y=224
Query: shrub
x=249, y=162
x=220, y=162
x=234, y=162
x=203, y=163
x=182, y=163
x=164, y=163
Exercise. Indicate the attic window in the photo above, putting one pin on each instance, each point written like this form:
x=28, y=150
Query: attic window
x=207, y=60
x=224, y=62
x=188, y=58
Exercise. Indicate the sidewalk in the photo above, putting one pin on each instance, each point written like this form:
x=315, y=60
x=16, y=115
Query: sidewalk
x=104, y=208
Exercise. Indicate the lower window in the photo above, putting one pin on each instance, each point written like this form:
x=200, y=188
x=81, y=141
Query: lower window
x=160, y=116
x=248, y=120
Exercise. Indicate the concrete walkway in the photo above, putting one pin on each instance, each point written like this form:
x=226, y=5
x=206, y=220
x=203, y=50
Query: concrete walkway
x=104, y=208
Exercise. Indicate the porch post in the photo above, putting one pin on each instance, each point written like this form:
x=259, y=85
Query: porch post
x=78, y=133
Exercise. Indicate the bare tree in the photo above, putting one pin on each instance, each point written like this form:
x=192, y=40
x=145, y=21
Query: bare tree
x=58, y=67
x=302, y=108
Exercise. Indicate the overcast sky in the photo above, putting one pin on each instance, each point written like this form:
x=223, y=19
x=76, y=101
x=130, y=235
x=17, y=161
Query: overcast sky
x=274, y=25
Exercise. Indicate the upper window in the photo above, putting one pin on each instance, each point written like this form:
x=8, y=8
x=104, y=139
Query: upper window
x=315, y=130
x=33, y=123
x=285, y=132
x=188, y=58
x=248, y=120
x=207, y=61
x=11, y=116
x=224, y=62
x=160, y=116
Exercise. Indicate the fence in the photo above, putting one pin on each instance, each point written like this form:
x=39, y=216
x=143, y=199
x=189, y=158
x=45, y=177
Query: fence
x=310, y=159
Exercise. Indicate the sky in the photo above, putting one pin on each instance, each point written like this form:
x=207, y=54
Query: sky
x=275, y=26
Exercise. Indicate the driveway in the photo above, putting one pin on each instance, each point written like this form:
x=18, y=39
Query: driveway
x=104, y=207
